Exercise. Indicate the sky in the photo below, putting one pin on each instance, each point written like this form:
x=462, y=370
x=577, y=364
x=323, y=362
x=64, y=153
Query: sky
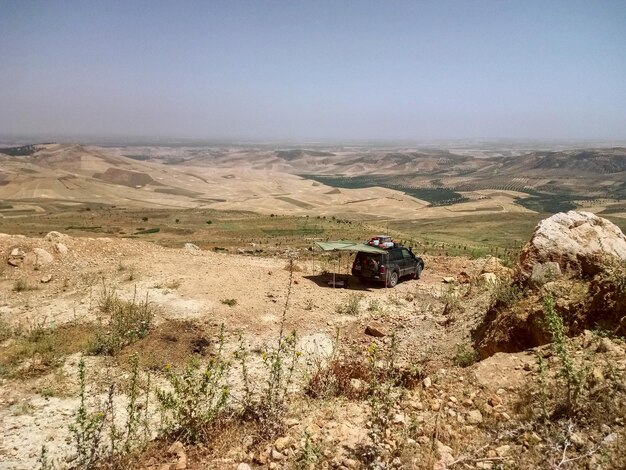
x=314, y=70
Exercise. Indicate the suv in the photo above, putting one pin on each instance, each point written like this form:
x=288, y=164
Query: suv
x=388, y=267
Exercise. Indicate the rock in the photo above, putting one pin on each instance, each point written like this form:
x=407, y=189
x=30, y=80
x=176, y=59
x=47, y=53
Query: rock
x=375, y=331
x=41, y=257
x=606, y=345
x=494, y=400
x=176, y=448
x=51, y=236
x=474, y=417
x=277, y=455
x=463, y=278
x=357, y=386
x=243, y=466
x=350, y=463
x=191, y=247
x=448, y=279
x=61, y=249
x=489, y=278
x=16, y=257
x=399, y=418
x=427, y=382
x=545, y=272
x=494, y=265
x=503, y=451
x=578, y=440
x=576, y=241
x=45, y=279
x=283, y=443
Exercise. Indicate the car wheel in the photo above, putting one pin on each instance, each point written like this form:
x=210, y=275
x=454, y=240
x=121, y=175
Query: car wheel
x=392, y=280
x=418, y=272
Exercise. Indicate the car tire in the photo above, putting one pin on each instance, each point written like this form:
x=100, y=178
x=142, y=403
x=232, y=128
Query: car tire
x=418, y=272
x=392, y=280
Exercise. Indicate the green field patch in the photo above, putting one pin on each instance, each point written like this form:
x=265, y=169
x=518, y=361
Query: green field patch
x=296, y=202
x=178, y=192
x=435, y=196
x=85, y=228
x=148, y=231
x=294, y=232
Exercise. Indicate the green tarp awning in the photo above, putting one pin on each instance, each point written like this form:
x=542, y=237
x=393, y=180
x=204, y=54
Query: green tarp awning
x=346, y=245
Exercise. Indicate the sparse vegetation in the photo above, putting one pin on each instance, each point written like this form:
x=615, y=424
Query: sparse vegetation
x=229, y=302
x=196, y=397
x=351, y=306
x=465, y=355
x=127, y=321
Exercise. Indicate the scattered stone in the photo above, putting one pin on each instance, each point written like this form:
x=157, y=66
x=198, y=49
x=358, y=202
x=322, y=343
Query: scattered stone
x=578, y=440
x=191, y=247
x=61, y=249
x=494, y=400
x=474, y=417
x=16, y=257
x=502, y=451
x=605, y=346
x=448, y=279
x=463, y=278
x=283, y=443
x=45, y=279
x=243, y=466
x=277, y=455
x=375, y=331
x=427, y=382
x=489, y=278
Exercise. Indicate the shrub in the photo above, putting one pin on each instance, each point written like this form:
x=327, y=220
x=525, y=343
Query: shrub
x=465, y=355
x=5, y=329
x=505, y=293
x=229, y=302
x=350, y=306
x=22, y=285
x=129, y=320
x=196, y=398
x=96, y=437
x=574, y=378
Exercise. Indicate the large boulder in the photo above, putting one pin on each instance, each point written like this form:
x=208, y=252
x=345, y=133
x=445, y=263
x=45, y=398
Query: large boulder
x=578, y=242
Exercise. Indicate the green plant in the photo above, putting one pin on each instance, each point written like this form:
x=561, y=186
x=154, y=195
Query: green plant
x=269, y=404
x=229, y=302
x=129, y=320
x=195, y=398
x=504, y=293
x=310, y=455
x=350, y=306
x=382, y=398
x=574, y=378
x=374, y=306
x=88, y=428
x=5, y=329
x=43, y=460
x=465, y=355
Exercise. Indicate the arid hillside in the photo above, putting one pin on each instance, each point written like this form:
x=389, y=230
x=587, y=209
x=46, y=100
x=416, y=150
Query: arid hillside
x=124, y=354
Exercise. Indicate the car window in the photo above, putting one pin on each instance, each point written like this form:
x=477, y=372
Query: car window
x=395, y=255
x=406, y=254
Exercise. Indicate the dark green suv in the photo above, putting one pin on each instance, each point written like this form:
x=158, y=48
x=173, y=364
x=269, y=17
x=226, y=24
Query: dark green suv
x=388, y=267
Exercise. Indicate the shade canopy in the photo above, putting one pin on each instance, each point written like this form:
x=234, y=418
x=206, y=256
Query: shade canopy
x=346, y=245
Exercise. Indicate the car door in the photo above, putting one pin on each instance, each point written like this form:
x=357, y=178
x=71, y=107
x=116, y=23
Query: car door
x=409, y=262
x=398, y=260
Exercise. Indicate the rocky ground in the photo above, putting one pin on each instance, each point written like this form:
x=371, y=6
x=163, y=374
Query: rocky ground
x=382, y=378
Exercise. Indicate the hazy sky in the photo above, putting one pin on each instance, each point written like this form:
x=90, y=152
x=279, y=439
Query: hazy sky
x=314, y=70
